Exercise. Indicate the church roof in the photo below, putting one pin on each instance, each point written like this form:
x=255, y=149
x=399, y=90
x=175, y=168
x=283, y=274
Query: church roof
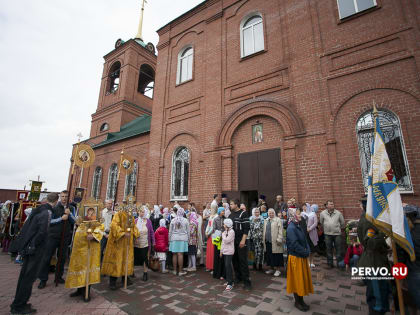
x=135, y=127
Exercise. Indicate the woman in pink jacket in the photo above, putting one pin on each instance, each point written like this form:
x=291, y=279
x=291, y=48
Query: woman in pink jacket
x=227, y=250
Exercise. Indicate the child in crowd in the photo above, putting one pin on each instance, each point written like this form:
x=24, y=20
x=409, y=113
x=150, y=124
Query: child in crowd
x=354, y=251
x=162, y=243
x=227, y=250
x=192, y=241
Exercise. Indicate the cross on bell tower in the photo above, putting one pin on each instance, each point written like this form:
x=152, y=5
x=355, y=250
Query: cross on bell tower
x=140, y=30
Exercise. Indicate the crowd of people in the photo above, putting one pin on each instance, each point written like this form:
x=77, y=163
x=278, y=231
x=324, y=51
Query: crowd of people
x=224, y=237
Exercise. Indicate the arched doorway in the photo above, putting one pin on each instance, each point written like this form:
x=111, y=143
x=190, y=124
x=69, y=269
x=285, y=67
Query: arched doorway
x=251, y=143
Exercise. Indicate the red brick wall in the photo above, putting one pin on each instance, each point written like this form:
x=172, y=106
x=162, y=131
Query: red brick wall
x=316, y=76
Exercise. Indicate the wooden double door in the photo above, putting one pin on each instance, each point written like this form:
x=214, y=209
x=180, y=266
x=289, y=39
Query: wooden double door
x=259, y=173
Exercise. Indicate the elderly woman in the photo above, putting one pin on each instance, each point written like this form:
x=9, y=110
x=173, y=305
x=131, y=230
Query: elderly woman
x=178, y=238
x=256, y=231
x=312, y=223
x=144, y=244
x=273, y=243
x=299, y=280
x=155, y=217
x=218, y=268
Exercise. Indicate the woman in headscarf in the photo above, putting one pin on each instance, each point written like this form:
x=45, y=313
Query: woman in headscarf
x=218, y=268
x=155, y=217
x=256, y=238
x=178, y=241
x=210, y=247
x=144, y=244
x=312, y=224
x=299, y=279
x=192, y=241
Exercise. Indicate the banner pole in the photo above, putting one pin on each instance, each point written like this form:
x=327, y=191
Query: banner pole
x=397, y=281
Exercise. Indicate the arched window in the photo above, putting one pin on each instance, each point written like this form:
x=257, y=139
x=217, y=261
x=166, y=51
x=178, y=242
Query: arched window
x=394, y=144
x=96, y=184
x=146, y=80
x=114, y=78
x=112, y=181
x=180, y=171
x=185, y=65
x=104, y=127
x=252, y=35
x=131, y=182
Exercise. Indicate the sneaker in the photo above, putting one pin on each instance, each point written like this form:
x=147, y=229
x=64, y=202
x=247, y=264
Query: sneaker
x=192, y=269
x=277, y=273
x=229, y=288
x=165, y=271
x=312, y=266
x=269, y=272
x=182, y=273
x=211, y=272
x=185, y=269
x=226, y=284
x=174, y=272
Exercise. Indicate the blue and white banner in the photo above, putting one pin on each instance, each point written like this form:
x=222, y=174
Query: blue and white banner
x=384, y=206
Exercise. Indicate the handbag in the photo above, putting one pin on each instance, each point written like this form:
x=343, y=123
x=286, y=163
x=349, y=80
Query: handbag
x=154, y=263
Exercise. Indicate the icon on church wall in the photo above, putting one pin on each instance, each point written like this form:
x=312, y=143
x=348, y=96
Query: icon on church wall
x=257, y=133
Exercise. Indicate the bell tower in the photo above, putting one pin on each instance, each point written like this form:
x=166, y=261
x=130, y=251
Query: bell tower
x=127, y=84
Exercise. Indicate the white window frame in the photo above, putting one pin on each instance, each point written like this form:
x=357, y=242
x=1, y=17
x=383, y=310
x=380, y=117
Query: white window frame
x=355, y=7
x=404, y=153
x=179, y=67
x=98, y=184
x=242, y=29
x=128, y=188
x=109, y=194
x=182, y=197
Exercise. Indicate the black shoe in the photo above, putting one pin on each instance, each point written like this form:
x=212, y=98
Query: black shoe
x=27, y=309
x=300, y=307
x=247, y=285
x=145, y=276
x=113, y=286
x=86, y=299
x=42, y=284
x=305, y=306
x=60, y=280
x=76, y=293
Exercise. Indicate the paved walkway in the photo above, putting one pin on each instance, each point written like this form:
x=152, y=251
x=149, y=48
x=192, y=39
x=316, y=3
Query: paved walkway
x=196, y=293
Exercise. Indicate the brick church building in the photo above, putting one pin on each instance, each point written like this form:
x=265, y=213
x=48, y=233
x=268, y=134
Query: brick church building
x=258, y=97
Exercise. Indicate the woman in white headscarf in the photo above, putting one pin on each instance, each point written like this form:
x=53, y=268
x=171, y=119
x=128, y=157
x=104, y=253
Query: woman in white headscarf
x=312, y=233
x=178, y=240
x=155, y=217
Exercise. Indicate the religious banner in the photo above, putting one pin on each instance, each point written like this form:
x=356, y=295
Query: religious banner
x=22, y=195
x=35, y=190
x=78, y=194
x=83, y=155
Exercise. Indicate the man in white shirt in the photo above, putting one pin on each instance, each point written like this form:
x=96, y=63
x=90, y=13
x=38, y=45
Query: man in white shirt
x=107, y=215
x=215, y=203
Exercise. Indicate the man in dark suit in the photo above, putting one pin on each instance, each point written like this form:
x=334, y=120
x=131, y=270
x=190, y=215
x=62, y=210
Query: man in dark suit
x=31, y=245
x=59, y=235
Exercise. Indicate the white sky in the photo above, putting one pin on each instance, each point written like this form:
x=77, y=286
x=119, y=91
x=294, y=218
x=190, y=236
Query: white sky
x=50, y=68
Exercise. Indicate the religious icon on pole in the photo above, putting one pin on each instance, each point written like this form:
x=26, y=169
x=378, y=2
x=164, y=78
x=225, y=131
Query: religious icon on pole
x=84, y=155
x=78, y=194
x=127, y=164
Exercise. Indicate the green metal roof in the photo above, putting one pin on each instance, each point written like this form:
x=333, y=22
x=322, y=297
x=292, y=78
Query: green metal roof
x=135, y=127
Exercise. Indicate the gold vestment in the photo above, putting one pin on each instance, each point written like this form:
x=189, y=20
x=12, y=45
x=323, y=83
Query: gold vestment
x=113, y=263
x=76, y=275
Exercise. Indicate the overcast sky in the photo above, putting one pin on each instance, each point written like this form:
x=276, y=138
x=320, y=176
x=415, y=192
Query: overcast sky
x=50, y=69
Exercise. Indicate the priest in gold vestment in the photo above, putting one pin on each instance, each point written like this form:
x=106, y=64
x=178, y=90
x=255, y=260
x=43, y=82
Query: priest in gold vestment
x=122, y=233
x=86, y=249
